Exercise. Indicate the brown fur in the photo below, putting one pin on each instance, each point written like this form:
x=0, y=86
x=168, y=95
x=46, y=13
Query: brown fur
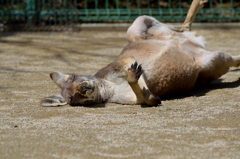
x=171, y=69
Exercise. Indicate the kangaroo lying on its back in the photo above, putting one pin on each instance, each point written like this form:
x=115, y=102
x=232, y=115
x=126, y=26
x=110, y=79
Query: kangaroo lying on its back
x=158, y=61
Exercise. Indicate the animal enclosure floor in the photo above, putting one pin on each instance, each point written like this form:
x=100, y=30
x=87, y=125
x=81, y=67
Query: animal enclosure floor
x=204, y=123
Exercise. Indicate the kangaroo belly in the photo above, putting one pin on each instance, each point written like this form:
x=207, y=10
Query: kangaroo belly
x=171, y=73
x=167, y=68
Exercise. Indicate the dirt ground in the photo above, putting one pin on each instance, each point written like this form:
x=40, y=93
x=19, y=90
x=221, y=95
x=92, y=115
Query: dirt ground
x=201, y=124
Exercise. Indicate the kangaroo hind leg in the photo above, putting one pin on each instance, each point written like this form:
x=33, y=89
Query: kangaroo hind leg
x=215, y=64
x=236, y=60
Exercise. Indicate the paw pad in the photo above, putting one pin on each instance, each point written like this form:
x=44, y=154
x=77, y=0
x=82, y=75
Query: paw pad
x=134, y=72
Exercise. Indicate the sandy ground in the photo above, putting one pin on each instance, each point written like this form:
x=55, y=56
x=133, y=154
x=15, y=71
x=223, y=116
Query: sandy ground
x=202, y=124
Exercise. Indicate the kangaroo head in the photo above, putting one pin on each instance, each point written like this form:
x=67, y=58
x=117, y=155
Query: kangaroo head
x=76, y=89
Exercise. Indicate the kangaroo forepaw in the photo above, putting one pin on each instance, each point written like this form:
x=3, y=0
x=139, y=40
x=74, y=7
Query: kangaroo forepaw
x=134, y=72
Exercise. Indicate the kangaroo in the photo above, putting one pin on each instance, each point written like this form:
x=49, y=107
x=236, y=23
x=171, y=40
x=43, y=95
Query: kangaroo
x=160, y=60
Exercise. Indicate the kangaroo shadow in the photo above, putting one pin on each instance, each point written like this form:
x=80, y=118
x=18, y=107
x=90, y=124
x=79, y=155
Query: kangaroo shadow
x=102, y=105
x=201, y=90
x=235, y=70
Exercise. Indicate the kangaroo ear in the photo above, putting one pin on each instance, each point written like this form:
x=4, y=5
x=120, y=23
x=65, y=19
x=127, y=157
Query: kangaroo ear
x=53, y=101
x=58, y=77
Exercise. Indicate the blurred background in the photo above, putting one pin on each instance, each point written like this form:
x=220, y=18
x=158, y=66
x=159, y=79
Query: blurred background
x=69, y=14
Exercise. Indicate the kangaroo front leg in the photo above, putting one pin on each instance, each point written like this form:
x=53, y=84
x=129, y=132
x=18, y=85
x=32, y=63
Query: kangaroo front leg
x=143, y=94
